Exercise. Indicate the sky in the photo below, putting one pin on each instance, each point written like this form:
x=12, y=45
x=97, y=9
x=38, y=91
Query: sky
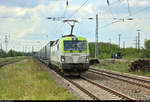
x=25, y=22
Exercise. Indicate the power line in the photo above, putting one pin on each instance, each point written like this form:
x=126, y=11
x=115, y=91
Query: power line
x=79, y=8
x=110, y=7
x=65, y=9
x=138, y=11
x=129, y=8
x=110, y=4
x=73, y=14
x=63, y=14
x=126, y=17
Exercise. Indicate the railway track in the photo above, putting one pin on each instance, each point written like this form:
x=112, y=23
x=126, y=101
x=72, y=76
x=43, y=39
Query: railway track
x=83, y=89
x=113, y=92
x=10, y=62
x=110, y=92
x=132, y=80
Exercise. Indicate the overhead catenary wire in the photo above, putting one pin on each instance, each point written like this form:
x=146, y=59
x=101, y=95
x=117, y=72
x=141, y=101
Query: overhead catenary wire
x=111, y=4
x=129, y=8
x=109, y=8
x=73, y=14
x=59, y=18
x=67, y=4
x=126, y=17
x=139, y=11
x=78, y=9
x=108, y=3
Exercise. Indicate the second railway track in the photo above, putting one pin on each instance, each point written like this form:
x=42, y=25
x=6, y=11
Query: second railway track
x=10, y=62
x=128, y=79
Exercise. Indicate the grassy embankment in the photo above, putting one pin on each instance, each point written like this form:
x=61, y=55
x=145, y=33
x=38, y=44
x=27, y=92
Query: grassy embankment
x=121, y=66
x=25, y=80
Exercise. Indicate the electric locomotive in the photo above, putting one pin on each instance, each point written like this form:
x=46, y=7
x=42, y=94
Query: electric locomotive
x=68, y=55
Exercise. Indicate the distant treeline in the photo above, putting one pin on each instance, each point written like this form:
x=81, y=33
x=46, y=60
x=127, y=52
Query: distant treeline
x=11, y=53
x=106, y=50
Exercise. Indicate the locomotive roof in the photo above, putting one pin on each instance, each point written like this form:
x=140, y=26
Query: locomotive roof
x=70, y=38
x=52, y=43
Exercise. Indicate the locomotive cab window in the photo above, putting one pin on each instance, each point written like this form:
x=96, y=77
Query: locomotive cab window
x=78, y=45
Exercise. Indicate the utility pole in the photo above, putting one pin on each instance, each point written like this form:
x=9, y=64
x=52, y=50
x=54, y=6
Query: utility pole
x=1, y=50
x=6, y=42
x=136, y=43
x=149, y=47
x=32, y=50
x=1, y=45
x=23, y=50
x=119, y=42
x=29, y=49
x=110, y=44
x=96, y=38
x=138, y=40
x=124, y=45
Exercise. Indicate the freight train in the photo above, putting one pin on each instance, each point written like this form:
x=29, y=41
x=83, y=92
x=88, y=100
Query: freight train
x=68, y=55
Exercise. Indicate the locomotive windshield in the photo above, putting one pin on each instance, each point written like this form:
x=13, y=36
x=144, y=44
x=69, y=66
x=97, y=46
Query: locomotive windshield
x=75, y=45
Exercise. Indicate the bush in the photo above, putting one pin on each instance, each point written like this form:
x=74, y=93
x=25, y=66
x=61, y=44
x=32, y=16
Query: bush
x=106, y=50
x=140, y=65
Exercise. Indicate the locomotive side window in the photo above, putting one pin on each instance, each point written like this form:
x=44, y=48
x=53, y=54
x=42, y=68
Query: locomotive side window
x=57, y=47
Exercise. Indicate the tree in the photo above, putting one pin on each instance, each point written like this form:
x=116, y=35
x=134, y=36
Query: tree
x=146, y=52
x=2, y=53
x=12, y=53
x=147, y=44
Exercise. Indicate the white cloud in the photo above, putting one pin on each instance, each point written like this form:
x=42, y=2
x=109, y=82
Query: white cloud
x=22, y=26
x=138, y=2
x=33, y=23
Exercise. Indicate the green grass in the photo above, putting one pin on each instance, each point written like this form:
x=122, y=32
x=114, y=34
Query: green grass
x=121, y=66
x=25, y=80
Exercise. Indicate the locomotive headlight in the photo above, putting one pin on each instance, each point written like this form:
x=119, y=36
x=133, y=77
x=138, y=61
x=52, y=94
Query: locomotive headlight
x=62, y=58
x=87, y=59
